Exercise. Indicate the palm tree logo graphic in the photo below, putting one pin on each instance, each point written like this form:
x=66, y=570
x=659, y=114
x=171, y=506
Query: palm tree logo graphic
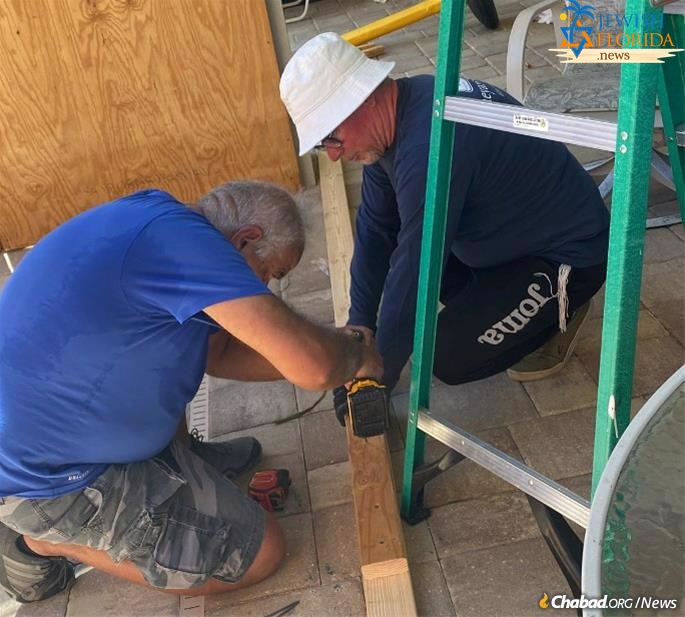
x=575, y=14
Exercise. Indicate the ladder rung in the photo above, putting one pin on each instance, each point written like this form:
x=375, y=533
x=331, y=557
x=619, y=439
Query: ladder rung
x=663, y=221
x=675, y=8
x=680, y=135
x=523, y=121
x=556, y=496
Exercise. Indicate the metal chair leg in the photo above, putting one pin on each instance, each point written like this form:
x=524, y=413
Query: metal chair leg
x=302, y=15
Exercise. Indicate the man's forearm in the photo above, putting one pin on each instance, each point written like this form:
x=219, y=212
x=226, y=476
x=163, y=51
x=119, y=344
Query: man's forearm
x=239, y=362
x=229, y=358
x=306, y=354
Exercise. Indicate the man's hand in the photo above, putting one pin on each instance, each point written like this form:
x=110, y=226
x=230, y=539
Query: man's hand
x=367, y=333
x=372, y=367
x=372, y=364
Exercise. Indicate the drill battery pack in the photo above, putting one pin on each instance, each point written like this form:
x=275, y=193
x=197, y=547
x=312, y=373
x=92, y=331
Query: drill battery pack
x=367, y=403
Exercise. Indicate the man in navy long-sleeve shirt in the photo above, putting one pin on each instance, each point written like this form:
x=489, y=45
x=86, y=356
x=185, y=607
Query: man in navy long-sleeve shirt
x=526, y=235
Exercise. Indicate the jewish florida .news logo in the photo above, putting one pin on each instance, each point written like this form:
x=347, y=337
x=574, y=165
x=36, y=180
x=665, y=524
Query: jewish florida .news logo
x=594, y=36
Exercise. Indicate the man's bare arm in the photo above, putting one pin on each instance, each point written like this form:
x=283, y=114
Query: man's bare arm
x=308, y=355
x=230, y=358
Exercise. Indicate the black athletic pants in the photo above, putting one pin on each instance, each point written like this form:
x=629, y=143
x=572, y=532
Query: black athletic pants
x=493, y=317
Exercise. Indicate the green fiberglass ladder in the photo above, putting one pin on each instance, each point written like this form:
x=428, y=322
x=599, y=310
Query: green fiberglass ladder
x=631, y=139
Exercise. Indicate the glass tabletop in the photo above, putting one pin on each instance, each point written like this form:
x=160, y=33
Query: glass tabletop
x=636, y=545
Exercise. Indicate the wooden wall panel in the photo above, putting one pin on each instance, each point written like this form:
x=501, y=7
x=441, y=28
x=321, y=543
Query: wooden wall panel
x=99, y=98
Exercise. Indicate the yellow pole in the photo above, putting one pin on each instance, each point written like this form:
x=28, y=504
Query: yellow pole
x=392, y=22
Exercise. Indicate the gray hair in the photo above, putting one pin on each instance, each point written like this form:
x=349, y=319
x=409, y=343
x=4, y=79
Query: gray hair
x=233, y=205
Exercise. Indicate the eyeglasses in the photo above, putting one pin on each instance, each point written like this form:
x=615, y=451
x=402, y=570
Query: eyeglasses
x=329, y=142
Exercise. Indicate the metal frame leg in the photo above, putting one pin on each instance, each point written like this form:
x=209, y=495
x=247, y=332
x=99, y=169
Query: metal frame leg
x=661, y=171
x=422, y=475
x=565, y=545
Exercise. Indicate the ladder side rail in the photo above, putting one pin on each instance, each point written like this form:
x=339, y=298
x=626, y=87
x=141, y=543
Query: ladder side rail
x=637, y=100
x=433, y=239
x=671, y=93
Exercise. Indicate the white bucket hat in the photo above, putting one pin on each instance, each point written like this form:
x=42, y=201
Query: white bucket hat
x=324, y=82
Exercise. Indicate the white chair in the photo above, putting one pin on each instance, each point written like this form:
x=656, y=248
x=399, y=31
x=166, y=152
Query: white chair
x=302, y=15
x=589, y=90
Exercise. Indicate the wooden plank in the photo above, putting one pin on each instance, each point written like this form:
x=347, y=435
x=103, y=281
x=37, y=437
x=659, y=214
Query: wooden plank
x=99, y=99
x=372, y=51
x=388, y=590
x=375, y=501
x=339, y=239
x=385, y=568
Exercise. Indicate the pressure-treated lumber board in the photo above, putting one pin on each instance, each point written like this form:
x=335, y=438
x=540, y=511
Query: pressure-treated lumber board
x=387, y=589
x=372, y=51
x=375, y=501
x=383, y=555
x=339, y=240
x=102, y=98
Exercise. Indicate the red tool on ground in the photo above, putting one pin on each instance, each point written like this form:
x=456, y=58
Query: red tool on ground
x=270, y=488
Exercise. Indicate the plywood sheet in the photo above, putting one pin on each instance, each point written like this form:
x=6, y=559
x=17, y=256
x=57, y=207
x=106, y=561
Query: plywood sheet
x=99, y=98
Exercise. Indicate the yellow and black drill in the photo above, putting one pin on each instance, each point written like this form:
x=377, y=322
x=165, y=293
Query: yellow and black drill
x=366, y=400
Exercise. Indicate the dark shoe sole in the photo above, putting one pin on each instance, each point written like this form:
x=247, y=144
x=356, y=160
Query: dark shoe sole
x=14, y=564
x=251, y=463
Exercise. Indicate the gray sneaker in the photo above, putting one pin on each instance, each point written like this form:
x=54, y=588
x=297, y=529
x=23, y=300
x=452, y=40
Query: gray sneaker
x=28, y=578
x=232, y=458
x=554, y=354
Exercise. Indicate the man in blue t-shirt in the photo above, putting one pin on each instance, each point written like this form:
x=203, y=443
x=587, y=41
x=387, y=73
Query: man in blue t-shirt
x=108, y=326
x=526, y=235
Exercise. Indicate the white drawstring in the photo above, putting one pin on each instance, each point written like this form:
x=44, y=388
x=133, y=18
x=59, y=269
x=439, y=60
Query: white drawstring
x=562, y=295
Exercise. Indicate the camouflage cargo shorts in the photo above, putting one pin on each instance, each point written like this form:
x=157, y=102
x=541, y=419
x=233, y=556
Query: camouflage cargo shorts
x=174, y=516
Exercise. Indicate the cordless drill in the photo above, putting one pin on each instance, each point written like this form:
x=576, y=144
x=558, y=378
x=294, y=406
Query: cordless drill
x=366, y=401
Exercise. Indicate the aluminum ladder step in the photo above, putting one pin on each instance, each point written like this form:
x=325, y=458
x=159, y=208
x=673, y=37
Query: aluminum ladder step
x=552, y=494
x=565, y=128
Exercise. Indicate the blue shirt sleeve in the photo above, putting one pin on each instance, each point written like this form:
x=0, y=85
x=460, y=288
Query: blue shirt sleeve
x=179, y=264
x=395, y=335
x=496, y=212
x=377, y=226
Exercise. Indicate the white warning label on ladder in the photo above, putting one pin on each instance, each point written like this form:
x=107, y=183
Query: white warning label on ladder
x=533, y=123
